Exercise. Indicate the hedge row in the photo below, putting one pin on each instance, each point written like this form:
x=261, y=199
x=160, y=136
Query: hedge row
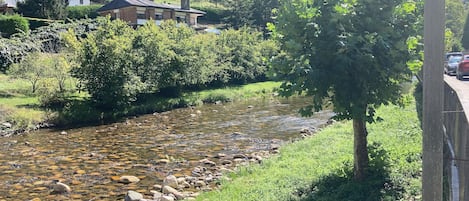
x=11, y=24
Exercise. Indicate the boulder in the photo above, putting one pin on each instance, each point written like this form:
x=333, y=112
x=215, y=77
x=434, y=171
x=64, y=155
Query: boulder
x=156, y=195
x=6, y=125
x=60, y=188
x=167, y=198
x=199, y=183
x=157, y=187
x=170, y=180
x=170, y=190
x=133, y=196
x=128, y=179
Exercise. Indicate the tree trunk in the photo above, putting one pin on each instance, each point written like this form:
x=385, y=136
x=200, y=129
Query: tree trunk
x=360, y=151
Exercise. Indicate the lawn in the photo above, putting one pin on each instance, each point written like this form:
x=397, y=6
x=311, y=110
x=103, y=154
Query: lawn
x=320, y=167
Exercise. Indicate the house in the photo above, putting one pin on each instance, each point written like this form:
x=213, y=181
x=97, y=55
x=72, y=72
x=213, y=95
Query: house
x=79, y=2
x=138, y=12
x=8, y=6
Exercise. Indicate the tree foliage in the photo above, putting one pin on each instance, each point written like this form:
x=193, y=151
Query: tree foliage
x=465, y=37
x=106, y=66
x=11, y=24
x=253, y=13
x=351, y=54
x=117, y=62
x=49, y=9
x=455, y=14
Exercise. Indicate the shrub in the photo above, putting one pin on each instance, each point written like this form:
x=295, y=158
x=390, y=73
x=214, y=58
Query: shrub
x=213, y=14
x=81, y=12
x=11, y=24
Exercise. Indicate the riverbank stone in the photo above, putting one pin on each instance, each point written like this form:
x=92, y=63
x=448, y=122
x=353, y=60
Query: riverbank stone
x=167, y=198
x=171, y=181
x=170, y=190
x=60, y=188
x=128, y=179
x=133, y=196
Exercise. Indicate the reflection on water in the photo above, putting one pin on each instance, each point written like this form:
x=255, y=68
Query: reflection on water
x=89, y=159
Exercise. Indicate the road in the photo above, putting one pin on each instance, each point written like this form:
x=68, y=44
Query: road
x=462, y=89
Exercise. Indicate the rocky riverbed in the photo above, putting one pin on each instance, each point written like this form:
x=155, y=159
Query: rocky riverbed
x=164, y=156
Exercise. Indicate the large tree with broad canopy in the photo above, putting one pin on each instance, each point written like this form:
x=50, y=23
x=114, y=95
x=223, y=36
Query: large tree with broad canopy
x=352, y=54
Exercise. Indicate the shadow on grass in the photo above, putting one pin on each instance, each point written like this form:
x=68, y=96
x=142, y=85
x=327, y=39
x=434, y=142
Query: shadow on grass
x=341, y=186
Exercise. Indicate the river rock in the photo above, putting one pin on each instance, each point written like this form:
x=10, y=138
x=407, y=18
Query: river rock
x=199, y=184
x=162, y=161
x=208, y=162
x=128, y=179
x=239, y=156
x=167, y=198
x=133, y=196
x=157, y=187
x=6, y=125
x=226, y=162
x=170, y=180
x=156, y=195
x=60, y=188
x=63, y=133
x=170, y=190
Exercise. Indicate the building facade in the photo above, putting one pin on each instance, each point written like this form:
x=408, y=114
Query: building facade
x=138, y=12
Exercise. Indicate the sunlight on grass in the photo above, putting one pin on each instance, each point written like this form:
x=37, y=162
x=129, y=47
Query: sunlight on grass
x=320, y=167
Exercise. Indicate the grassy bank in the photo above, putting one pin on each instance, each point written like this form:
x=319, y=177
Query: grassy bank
x=20, y=107
x=320, y=167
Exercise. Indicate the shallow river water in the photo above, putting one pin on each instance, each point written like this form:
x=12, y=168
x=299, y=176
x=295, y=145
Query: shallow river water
x=91, y=159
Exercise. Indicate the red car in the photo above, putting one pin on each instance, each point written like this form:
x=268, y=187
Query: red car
x=463, y=68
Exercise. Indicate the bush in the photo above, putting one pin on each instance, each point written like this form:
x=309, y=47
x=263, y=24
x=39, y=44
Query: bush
x=11, y=24
x=81, y=12
x=35, y=23
x=213, y=14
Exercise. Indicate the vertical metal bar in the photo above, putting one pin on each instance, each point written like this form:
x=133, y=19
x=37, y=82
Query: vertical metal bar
x=434, y=23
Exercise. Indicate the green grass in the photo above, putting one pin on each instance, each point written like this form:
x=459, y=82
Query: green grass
x=320, y=167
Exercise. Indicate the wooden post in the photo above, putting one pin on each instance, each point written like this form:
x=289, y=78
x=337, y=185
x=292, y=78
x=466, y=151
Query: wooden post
x=432, y=179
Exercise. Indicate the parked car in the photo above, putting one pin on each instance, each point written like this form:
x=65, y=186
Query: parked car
x=452, y=64
x=452, y=54
x=463, y=68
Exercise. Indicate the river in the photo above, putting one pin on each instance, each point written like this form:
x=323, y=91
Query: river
x=91, y=159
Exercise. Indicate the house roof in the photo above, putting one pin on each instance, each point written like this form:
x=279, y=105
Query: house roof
x=116, y=4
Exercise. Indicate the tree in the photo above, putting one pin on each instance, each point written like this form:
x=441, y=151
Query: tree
x=106, y=64
x=252, y=13
x=465, y=37
x=351, y=54
x=455, y=14
x=33, y=68
x=50, y=9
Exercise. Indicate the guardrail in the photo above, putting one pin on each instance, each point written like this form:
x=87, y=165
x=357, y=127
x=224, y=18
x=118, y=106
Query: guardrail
x=456, y=149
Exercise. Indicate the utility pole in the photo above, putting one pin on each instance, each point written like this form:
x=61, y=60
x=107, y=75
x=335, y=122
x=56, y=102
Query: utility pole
x=434, y=24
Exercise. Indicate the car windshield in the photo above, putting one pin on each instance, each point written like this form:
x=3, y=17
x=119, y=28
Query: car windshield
x=454, y=59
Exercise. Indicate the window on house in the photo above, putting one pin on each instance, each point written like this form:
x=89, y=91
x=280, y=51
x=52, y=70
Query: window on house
x=181, y=19
x=159, y=16
x=141, y=13
x=141, y=16
x=81, y=2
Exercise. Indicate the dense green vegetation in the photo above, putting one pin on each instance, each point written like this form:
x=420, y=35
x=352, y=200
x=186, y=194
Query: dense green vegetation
x=11, y=24
x=51, y=9
x=319, y=168
x=81, y=12
x=344, y=58
x=116, y=63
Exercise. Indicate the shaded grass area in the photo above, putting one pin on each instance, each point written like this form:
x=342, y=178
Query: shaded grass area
x=320, y=168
